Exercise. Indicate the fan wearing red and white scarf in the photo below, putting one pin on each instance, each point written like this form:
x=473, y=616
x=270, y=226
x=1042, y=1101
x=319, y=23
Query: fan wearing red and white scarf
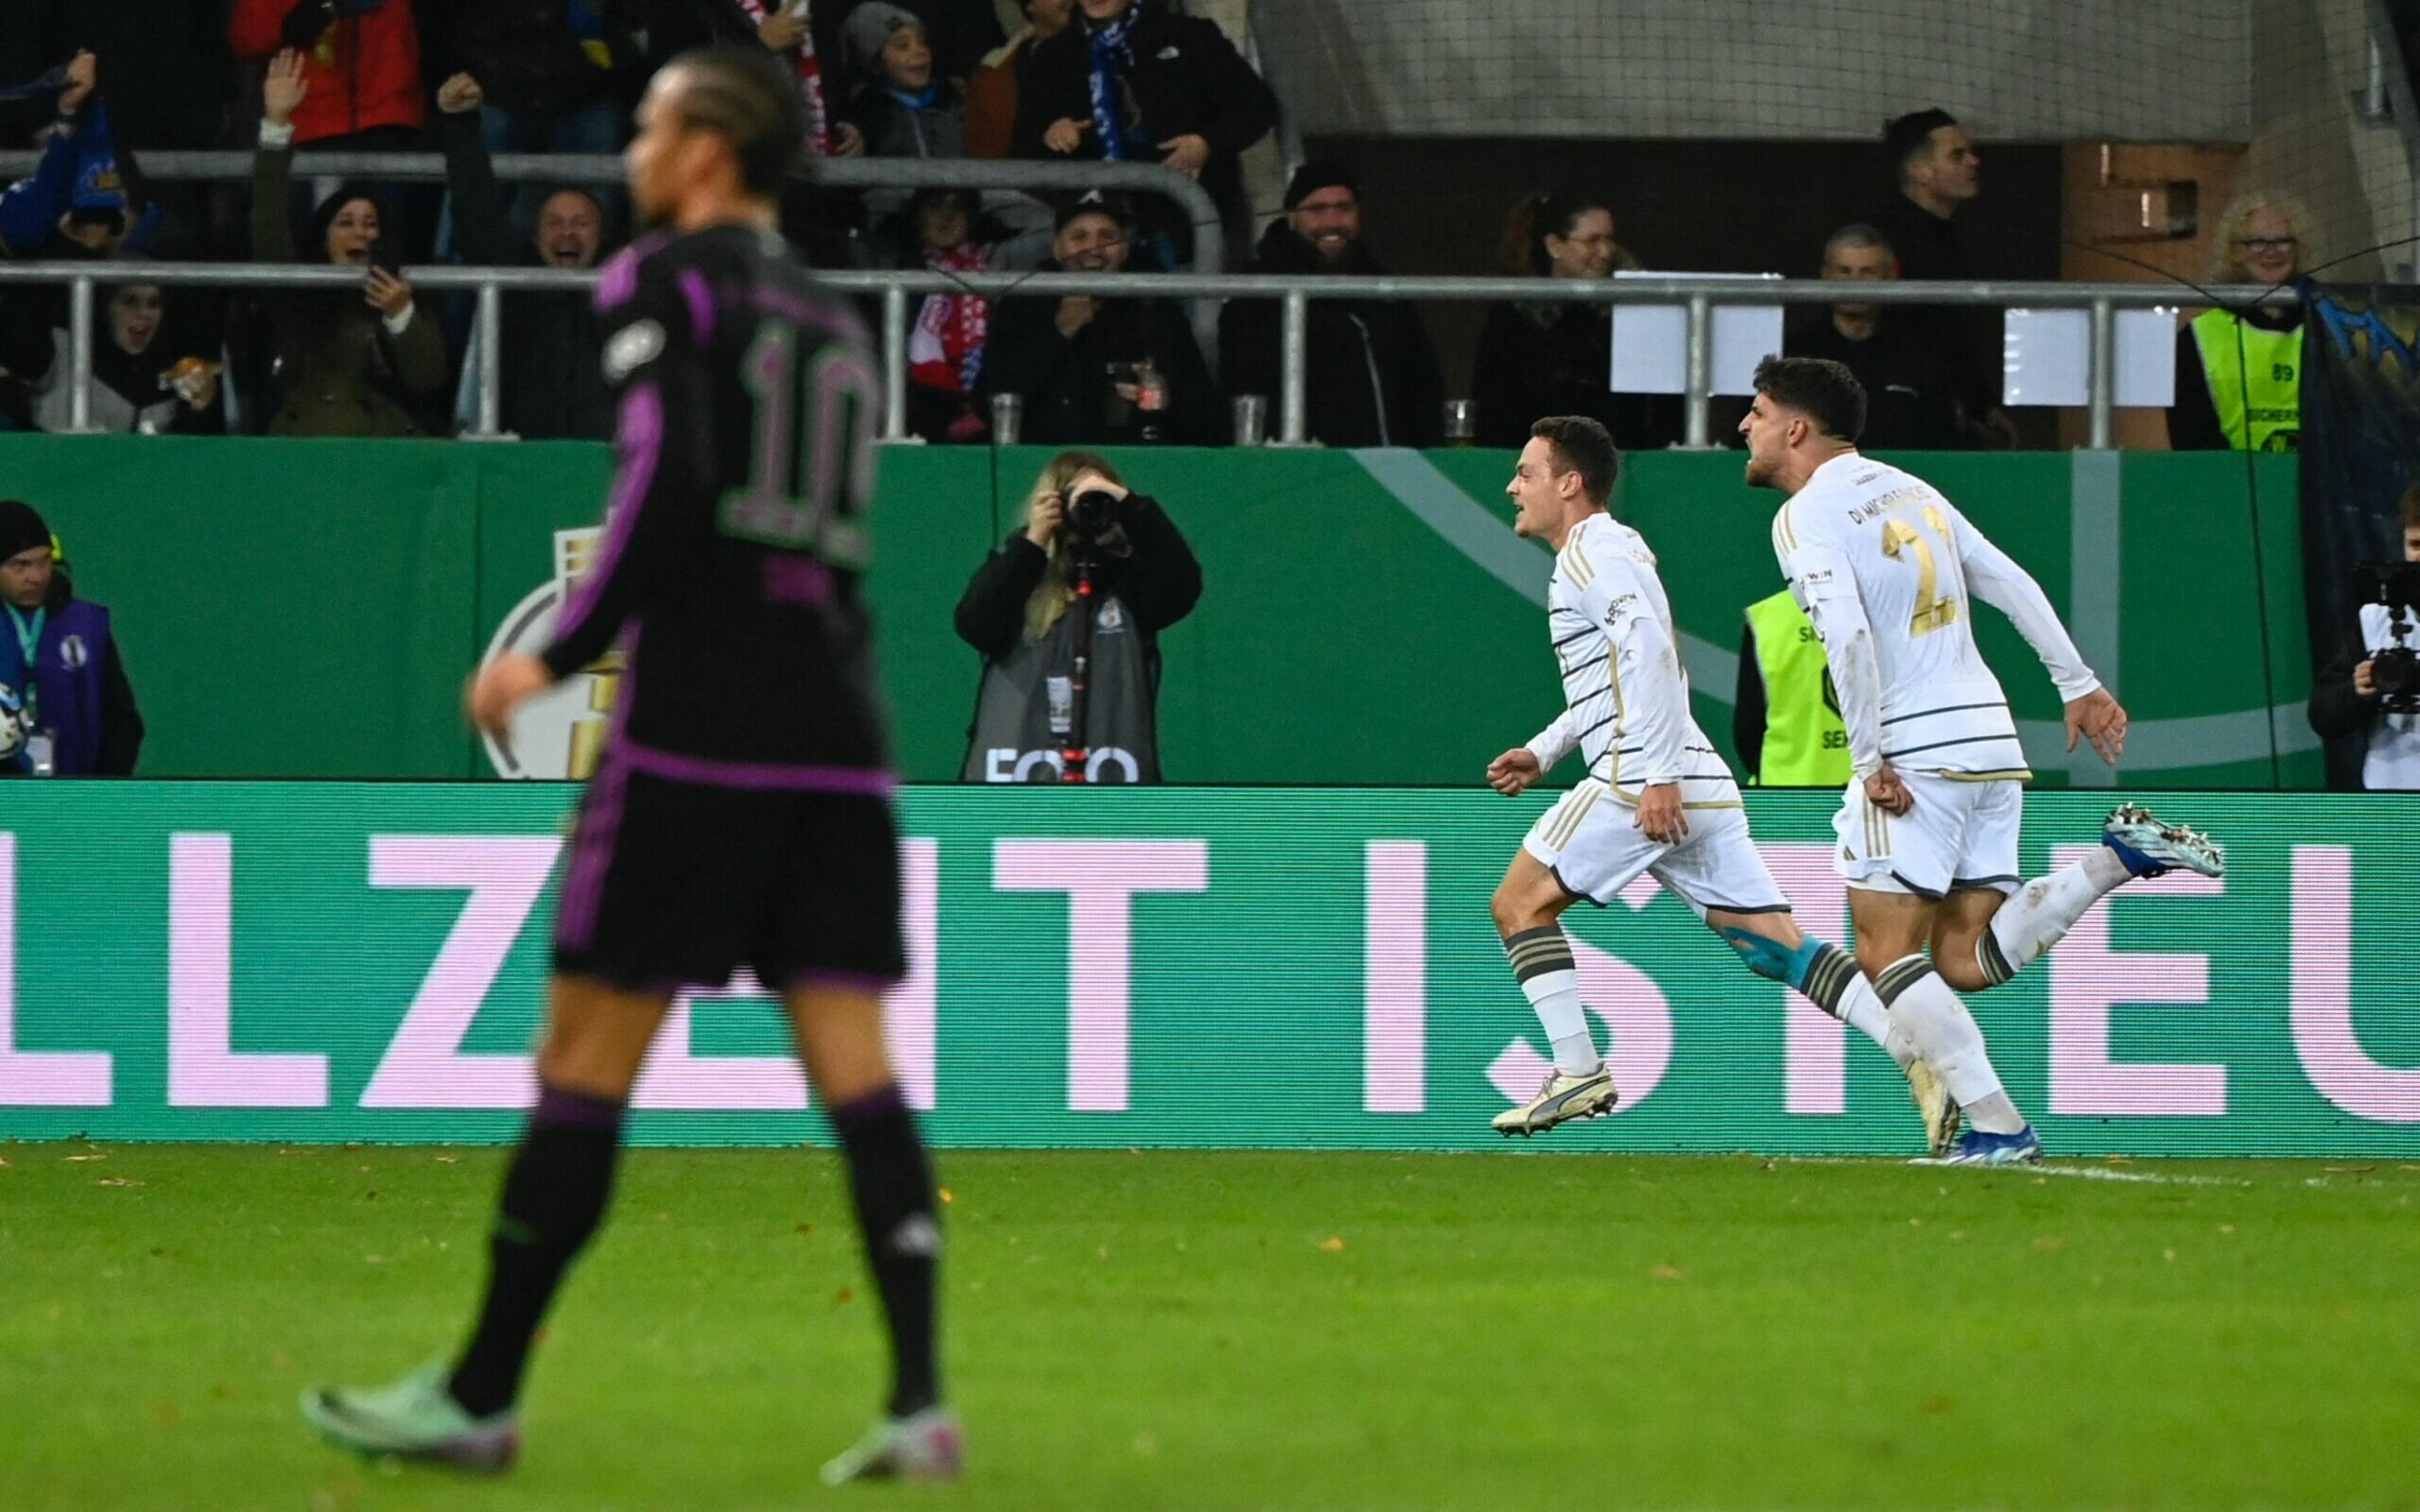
x=809, y=69
x=945, y=351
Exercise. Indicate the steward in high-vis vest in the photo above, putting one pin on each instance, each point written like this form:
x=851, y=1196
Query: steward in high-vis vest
x=1786, y=721
x=1021, y=611
x=2238, y=381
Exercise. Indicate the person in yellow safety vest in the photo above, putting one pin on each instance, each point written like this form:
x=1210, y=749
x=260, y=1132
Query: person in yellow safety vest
x=1786, y=721
x=2238, y=373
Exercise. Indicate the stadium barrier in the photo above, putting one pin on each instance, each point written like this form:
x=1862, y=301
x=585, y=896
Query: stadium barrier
x=1697, y=293
x=309, y=609
x=1171, y=968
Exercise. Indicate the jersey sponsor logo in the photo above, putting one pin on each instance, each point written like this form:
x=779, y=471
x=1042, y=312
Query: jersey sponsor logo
x=560, y=734
x=632, y=347
x=1620, y=610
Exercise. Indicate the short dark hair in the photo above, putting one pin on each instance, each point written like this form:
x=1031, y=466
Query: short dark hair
x=746, y=97
x=1583, y=446
x=1824, y=391
x=1909, y=134
x=2412, y=507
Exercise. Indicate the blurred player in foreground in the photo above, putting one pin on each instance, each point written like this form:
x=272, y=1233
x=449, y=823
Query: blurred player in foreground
x=1649, y=768
x=1882, y=564
x=741, y=813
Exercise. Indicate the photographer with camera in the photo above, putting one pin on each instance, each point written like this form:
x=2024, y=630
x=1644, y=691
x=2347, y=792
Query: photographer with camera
x=1074, y=697
x=2375, y=691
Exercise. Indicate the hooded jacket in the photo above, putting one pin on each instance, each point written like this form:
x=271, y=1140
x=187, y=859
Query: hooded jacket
x=1373, y=377
x=362, y=71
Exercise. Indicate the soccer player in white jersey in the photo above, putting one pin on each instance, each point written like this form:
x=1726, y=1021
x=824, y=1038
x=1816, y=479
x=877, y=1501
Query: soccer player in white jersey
x=1656, y=797
x=1885, y=566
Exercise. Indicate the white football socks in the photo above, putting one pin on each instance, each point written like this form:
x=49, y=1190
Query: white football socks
x=1541, y=958
x=1861, y=1007
x=2038, y=913
x=1949, y=1040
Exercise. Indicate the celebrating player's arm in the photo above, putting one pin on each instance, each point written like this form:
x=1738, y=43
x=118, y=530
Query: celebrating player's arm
x=1655, y=699
x=2093, y=713
x=1521, y=768
x=1826, y=585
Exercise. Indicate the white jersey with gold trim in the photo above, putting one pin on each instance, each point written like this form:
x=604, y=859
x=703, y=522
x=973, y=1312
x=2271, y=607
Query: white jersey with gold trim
x=1886, y=568
x=1626, y=697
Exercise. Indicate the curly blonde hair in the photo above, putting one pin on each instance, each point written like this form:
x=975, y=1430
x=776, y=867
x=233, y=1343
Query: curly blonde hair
x=2225, y=267
x=1057, y=589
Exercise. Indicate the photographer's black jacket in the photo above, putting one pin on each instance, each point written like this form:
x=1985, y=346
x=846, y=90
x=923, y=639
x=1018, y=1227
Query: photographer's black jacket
x=1158, y=581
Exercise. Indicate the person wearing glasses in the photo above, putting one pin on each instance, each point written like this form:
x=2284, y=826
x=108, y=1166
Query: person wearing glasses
x=2240, y=372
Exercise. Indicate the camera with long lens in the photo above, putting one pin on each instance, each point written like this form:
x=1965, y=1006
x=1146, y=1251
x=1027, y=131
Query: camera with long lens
x=2396, y=670
x=1092, y=515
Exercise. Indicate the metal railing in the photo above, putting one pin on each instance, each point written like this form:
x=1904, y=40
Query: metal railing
x=1698, y=293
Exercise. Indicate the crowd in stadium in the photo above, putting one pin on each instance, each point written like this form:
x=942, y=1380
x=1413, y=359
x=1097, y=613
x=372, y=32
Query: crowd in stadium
x=97, y=83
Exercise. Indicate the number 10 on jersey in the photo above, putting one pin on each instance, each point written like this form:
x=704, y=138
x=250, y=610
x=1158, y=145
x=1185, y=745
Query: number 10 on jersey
x=811, y=468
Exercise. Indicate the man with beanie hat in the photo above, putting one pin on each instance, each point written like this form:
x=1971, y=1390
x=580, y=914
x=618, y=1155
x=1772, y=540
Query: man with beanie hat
x=1373, y=377
x=60, y=662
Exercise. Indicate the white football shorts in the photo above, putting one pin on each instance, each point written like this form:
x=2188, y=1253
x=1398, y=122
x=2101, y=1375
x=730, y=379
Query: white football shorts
x=1591, y=842
x=1959, y=835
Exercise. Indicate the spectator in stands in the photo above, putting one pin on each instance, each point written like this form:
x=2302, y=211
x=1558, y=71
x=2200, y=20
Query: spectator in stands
x=360, y=66
x=61, y=661
x=782, y=25
x=2238, y=373
x=1938, y=171
x=947, y=345
x=960, y=31
x=151, y=374
x=1555, y=358
x=1911, y=402
x=1015, y=612
x=1133, y=81
x=2345, y=695
x=34, y=209
x=553, y=381
x=991, y=88
x=1372, y=379
x=553, y=74
x=902, y=109
x=1098, y=372
x=345, y=365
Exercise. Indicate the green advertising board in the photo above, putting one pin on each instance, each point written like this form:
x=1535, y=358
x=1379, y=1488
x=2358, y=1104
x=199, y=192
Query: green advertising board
x=309, y=609
x=1169, y=968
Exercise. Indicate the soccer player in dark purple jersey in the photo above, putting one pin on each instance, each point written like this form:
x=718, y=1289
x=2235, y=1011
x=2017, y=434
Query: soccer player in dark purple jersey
x=740, y=815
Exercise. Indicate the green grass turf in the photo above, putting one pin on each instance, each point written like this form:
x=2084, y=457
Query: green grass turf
x=1212, y=1331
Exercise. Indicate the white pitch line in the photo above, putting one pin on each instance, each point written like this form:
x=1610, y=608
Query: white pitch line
x=2088, y=1173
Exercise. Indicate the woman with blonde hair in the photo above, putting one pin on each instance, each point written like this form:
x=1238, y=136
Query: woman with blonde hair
x=1083, y=527
x=2238, y=373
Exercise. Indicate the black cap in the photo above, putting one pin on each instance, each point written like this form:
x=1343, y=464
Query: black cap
x=21, y=529
x=1311, y=178
x=1093, y=202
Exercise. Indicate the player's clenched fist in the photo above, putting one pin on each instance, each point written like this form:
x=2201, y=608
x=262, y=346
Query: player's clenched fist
x=1512, y=773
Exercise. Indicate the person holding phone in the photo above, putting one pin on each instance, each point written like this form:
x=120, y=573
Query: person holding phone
x=345, y=362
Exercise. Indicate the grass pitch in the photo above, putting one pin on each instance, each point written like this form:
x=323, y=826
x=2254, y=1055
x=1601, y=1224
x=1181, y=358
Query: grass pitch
x=1212, y=1331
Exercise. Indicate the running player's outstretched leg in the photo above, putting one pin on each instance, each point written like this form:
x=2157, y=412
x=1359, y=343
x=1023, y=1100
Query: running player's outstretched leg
x=2015, y=934
x=1892, y=929
x=839, y=1031
x=1528, y=906
x=554, y=1196
x=1772, y=946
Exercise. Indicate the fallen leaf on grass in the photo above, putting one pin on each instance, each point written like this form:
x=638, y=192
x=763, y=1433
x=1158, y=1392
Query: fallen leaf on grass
x=946, y=1197
x=804, y=1228
x=1666, y=1272
x=117, y=1180
x=2226, y=1228
x=1937, y=1403
x=83, y=1157
x=2168, y=1254
x=844, y=1294
x=2050, y=1241
x=1333, y=1244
